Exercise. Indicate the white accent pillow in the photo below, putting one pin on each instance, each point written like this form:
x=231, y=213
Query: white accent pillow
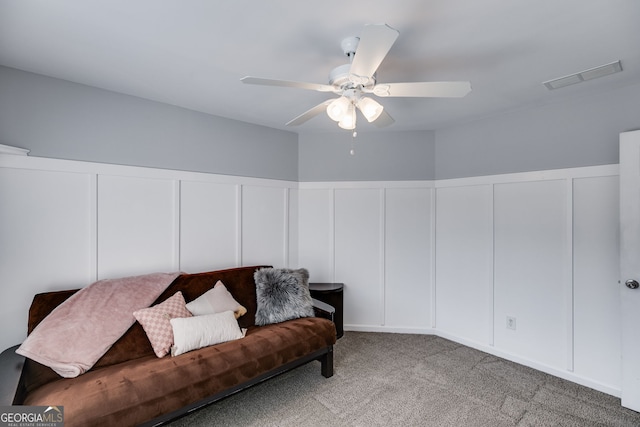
x=216, y=300
x=192, y=333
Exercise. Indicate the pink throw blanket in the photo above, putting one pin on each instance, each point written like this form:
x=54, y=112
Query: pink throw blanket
x=72, y=338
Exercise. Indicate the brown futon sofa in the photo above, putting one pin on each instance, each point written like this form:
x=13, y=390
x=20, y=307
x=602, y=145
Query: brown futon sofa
x=131, y=386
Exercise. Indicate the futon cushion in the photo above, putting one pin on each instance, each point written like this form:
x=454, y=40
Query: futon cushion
x=153, y=386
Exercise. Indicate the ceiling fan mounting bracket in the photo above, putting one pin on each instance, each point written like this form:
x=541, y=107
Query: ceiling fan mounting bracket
x=353, y=94
x=350, y=45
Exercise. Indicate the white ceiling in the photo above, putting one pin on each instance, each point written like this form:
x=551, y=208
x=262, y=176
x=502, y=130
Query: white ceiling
x=192, y=53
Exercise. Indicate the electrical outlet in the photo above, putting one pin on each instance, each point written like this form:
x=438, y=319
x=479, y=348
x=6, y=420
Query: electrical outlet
x=511, y=323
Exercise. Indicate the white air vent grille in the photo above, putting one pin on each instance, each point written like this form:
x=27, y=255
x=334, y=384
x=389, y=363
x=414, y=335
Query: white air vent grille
x=592, y=73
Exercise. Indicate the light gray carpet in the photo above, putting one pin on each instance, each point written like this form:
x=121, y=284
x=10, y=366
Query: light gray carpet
x=414, y=380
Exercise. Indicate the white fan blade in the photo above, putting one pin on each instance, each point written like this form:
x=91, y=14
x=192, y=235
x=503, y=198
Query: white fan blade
x=309, y=114
x=383, y=120
x=375, y=42
x=424, y=89
x=287, y=83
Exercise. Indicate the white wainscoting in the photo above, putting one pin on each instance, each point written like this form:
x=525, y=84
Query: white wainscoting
x=316, y=220
x=265, y=217
x=464, y=262
x=377, y=238
x=595, y=279
x=555, y=257
x=209, y=225
x=407, y=262
x=358, y=254
x=450, y=257
x=456, y=257
x=65, y=224
x=47, y=240
x=531, y=266
x=137, y=225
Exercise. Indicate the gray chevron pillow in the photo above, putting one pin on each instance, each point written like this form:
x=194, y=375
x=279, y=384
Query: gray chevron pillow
x=282, y=294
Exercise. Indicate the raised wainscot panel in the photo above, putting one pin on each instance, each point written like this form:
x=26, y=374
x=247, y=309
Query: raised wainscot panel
x=464, y=262
x=209, y=226
x=532, y=268
x=358, y=260
x=408, y=257
x=316, y=233
x=294, y=229
x=595, y=277
x=137, y=226
x=264, y=225
x=46, y=229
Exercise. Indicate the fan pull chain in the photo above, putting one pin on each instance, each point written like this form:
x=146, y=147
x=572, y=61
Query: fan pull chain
x=353, y=143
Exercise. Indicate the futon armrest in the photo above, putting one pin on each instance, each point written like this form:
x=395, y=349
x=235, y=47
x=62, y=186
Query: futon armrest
x=322, y=309
x=11, y=364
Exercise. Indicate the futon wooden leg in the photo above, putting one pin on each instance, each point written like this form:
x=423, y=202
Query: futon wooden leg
x=327, y=364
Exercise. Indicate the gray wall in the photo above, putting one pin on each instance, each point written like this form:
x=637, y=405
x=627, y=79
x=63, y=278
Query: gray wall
x=59, y=119
x=379, y=156
x=575, y=133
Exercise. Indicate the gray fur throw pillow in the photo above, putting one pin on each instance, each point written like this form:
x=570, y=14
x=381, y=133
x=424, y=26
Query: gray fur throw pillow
x=282, y=294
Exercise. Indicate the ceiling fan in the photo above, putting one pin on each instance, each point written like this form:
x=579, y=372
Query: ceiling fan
x=356, y=79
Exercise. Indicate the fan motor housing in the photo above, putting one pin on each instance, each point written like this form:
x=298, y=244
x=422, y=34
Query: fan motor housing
x=341, y=77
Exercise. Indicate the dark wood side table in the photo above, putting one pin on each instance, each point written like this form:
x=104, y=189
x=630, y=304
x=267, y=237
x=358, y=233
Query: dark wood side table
x=332, y=294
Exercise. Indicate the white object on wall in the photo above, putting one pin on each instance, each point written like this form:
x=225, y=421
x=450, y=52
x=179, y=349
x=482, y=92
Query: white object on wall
x=7, y=149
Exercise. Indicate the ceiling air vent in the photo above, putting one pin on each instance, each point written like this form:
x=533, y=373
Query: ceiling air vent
x=592, y=73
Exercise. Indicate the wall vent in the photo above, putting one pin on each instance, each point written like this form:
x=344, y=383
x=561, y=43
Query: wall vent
x=582, y=76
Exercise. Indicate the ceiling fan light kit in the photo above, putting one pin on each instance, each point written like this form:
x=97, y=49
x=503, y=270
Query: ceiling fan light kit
x=352, y=81
x=370, y=109
x=343, y=109
x=348, y=119
x=338, y=108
